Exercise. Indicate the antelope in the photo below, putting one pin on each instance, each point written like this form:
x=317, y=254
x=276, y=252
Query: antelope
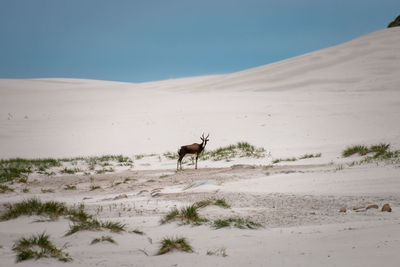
x=192, y=149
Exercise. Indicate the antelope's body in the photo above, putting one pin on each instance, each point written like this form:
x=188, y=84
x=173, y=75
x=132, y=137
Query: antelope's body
x=192, y=149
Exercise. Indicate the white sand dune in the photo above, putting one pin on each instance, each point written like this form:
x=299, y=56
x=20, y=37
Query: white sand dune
x=318, y=102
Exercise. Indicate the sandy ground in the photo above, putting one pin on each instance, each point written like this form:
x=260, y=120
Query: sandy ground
x=320, y=102
x=298, y=206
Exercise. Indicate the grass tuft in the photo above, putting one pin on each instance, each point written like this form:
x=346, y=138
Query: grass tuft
x=170, y=216
x=5, y=188
x=95, y=225
x=38, y=246
x=137, y=231
x=11, y=169
x=34, y=206
x=381, y=152
x=211, y=201
x=358, y=149
x=89, y=225
x=187, y=215
x=103, y=239
x=169, y=244
x=237, y=222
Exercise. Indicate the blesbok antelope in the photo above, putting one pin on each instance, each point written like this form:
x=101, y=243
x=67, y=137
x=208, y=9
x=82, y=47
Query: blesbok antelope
x=192, y=149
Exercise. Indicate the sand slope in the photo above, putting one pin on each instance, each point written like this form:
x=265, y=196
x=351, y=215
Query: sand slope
x=318, y=102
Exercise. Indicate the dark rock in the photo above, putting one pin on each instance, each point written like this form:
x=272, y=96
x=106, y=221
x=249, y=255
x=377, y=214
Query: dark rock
x=394, y=23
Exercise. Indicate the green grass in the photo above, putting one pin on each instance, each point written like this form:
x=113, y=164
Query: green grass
x=78, y=214
x=11, y=169
x=240, y=149
x=170, y=244
x=237, y=222
x=187, y=215
x=222, y=203
x=309, y=156
x=172, y=215
x=381, y=152
x=5, y=188
x=211, y=201
x=34, y=206
x=95, y=225
x=358, y=149
x=103, y=239
x=38, y=246
x=50, y=209
x=280, y=160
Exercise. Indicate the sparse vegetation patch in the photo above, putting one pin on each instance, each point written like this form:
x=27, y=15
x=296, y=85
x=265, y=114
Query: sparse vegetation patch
x=240, y=149
x=211, y=201
x=170, y=244
x=38, y=246
x=95, y=225
x=381, y=152
x=186, y=215
x=51, y=209
x=237, y=222
x=15, y=168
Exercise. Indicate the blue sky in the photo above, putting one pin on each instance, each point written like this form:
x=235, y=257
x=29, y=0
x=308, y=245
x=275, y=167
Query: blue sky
x=147, y=40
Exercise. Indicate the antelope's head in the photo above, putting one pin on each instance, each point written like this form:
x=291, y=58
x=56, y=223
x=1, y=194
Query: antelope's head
x=204, y=139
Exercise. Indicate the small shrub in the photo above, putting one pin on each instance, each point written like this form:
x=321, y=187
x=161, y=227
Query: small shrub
x=169, y=244
x=38, y=246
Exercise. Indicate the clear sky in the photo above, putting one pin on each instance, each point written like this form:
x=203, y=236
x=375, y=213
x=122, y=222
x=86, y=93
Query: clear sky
x=145, y=40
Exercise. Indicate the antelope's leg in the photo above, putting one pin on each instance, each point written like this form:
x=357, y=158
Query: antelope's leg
x=197, y=156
